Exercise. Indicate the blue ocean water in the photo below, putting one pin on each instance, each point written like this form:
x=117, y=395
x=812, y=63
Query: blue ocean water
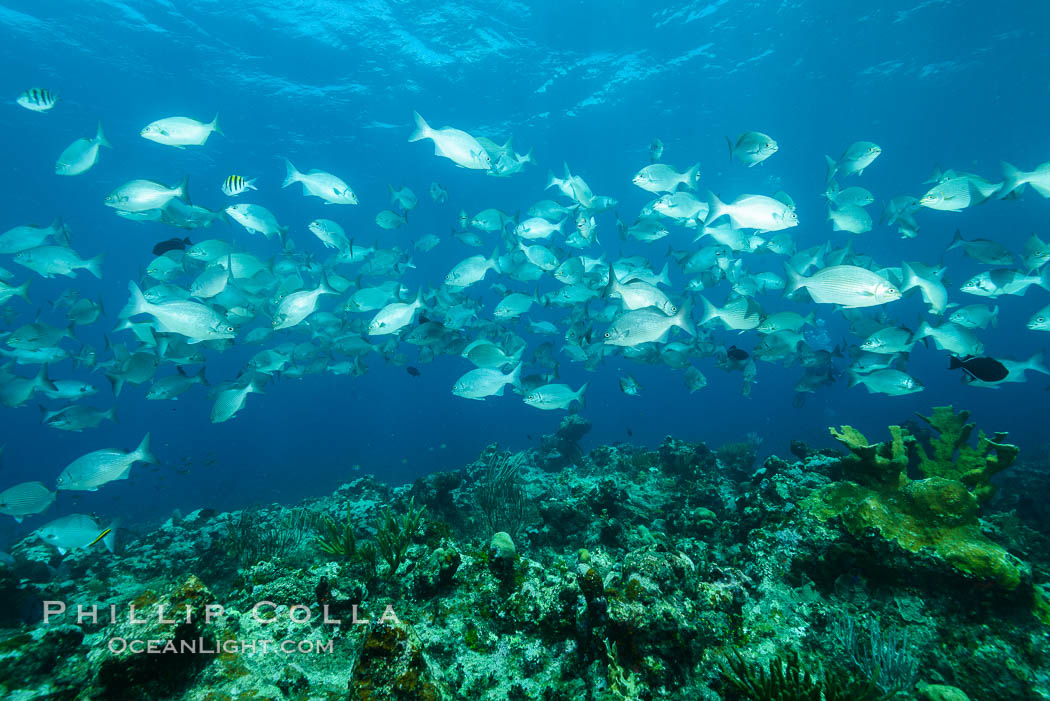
x=332, y=85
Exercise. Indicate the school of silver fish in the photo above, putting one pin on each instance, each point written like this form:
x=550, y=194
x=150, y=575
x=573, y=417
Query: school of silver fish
x=543, y=291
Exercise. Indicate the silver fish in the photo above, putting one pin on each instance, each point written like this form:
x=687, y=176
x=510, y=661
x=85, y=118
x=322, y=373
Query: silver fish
x=25, y=499
x=77, y=531
x=91, y=471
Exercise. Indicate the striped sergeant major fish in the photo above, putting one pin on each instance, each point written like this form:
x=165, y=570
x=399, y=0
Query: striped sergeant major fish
x=37, y=99
x=235, y=185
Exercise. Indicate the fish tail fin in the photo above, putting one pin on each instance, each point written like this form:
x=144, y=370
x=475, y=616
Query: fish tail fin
x=117, y=383
x=710, y=311
x=515, y=375
x=137, y=303
x=109, y=536
x=422, y=131
x=325, y=287
x=215, y=125
x=1035, y=363
x=528, y=157
x=692, y=176
x=552, y=180
x=994, y=320
x=684, y=319
x=957, y=240
x=111, y=414
x=143, y=452
x=42, y=381
x=282, y=232
x=662, y=277
x=612, y=285
x=291, y=174
x=854, y=377
x=100, y=138
x=94, y=265
x=909, y=278
x=715, y=208
x=580, y=394
x=702, y=229
x=23, y=291
x=182, y=190
x=832, y=167
x=795, y=281
x=494, y=260
x=250, y=184
x=1012, y=180
x=729, y=143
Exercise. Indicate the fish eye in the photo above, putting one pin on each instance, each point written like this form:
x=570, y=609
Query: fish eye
x=608, y=335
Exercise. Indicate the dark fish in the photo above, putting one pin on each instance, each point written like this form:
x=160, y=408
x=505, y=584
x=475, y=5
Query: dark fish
x=736, y=353
x=984, y=369
x=630, y=432
x=171, y=245
x=630, y=386
x=414, y=372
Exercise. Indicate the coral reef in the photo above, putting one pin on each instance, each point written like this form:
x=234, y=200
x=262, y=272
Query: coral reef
x=630, y=573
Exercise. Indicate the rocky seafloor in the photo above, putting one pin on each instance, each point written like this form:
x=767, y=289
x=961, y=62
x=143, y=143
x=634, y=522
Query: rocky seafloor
x=909, y=565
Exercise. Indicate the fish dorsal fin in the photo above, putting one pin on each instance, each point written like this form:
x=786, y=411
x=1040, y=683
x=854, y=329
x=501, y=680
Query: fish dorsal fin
x=786, y=199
